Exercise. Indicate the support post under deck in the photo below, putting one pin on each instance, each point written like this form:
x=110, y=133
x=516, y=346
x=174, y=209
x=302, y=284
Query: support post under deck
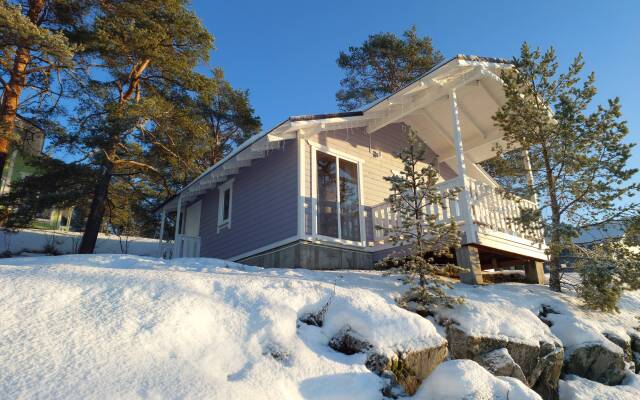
x=534, y=271
x=468, y=257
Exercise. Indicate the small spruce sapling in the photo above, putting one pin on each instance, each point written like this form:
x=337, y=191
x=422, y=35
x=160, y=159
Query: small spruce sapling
x=413, y=193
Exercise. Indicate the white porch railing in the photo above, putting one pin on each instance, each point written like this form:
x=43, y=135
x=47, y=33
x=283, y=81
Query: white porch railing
x=186, y=246
x=488, y=207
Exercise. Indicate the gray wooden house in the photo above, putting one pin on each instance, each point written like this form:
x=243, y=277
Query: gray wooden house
x=310, y=192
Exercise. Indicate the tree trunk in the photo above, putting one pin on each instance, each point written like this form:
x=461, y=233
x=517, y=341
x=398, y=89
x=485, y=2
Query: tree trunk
x=96, y=212
x=17, y=82
x=99, y=201
x=554, y=267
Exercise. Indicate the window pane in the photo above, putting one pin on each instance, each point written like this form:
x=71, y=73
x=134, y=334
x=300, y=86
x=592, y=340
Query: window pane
x=327, y=195
x=349, y=201
x=225, y=204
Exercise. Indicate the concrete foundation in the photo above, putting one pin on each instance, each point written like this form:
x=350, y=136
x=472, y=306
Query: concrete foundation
x=312, y=256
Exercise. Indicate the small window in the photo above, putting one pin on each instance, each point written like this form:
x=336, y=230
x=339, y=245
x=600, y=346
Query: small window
x=224, y=205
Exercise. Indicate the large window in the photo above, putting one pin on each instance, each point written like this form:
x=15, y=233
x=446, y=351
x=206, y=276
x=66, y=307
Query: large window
x=338, y=197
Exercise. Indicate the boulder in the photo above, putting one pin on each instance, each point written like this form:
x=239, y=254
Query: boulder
x=419, y=362
x=407, y=368
x=623, y=343
x=500, y=363
x=349, y=342
x=597, y=362
x=551, y=360
x=541, y=363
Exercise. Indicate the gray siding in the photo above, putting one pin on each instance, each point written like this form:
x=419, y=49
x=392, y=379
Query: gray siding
x=263, y=210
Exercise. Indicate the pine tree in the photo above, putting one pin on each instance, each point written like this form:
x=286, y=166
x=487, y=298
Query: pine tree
x=143, y=49
x=228, y=117
x=578, y=157
x=35, y=56
x=606, y=270
x=383, y=64
x=413, y=192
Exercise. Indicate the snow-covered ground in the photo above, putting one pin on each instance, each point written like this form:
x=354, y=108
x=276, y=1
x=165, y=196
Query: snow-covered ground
x=35, y=240
x=113, y=326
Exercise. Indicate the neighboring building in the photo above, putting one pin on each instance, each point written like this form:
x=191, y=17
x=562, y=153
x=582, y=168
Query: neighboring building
x=17, y=167
x=310, y=192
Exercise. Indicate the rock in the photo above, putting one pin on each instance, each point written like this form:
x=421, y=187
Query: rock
x=407, y=368
x=419, y=362
x=349, y=342
x=636, y=362
x=544, y=311
x=623, y=343
x=541, y=364
x=635, y=341
x=551, y=361
x=597, y=362
x=500, y=363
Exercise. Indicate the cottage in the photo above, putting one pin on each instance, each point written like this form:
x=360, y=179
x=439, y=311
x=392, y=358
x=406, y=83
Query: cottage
x=310, y=192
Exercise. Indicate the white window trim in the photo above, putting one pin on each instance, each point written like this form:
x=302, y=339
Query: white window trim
x=314, y=196
x=221, y=189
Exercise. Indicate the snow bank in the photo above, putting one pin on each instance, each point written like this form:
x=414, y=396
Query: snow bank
x=576, y=388
x=466, y=379
x=35, y=240
x=118, y=326
x=127, y=326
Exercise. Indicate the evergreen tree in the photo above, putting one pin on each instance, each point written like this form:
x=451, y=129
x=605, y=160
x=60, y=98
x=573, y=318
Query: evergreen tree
x=383, y=64
x=35, y=54
x=578, y=157
x=144, y=49
x=228, y=117
x=57, y=185
x=413, y=192
x=606, y=270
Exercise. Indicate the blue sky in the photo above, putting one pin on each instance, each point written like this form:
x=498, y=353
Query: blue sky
x=284, y=52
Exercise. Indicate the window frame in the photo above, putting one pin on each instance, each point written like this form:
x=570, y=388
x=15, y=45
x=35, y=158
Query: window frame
x=315, y=148
x=225, y=223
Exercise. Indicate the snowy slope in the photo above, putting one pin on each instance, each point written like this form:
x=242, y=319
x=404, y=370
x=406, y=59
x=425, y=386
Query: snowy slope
x=107, y=326
x=127, y=327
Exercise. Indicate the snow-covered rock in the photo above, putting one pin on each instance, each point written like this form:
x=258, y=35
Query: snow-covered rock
x=573, y=387
x=347, y=341
x=597, y=362
x=500, y=363
x=466, y=379
x=478, y=327
x=506, y=312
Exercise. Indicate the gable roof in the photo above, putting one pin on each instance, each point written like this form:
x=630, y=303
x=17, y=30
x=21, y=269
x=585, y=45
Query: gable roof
x=340, y=116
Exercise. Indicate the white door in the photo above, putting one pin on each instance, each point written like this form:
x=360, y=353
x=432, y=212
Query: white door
x=192, y=220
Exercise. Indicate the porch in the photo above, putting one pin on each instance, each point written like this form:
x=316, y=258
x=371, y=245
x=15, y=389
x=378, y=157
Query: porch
x=483, y=214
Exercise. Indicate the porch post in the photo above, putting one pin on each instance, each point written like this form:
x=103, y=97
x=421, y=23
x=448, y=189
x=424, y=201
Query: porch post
x=162, y=218
x=527, y=167
x=463, y=196
x=177, y=246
